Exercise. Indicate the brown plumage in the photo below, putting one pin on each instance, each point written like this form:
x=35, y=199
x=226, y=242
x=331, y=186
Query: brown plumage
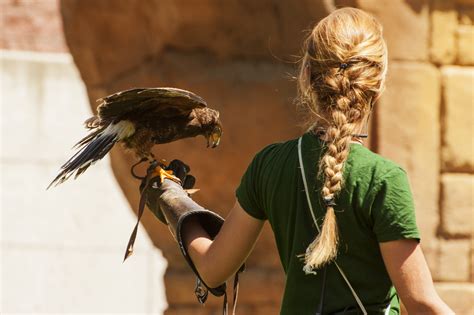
x=140, y=118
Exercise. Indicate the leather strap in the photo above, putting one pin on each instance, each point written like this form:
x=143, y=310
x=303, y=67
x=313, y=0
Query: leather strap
x=300, y=158
x=141, y=205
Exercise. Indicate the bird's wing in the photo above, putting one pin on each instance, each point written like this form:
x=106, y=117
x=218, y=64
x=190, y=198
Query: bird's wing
x=162, y=102
x=120, y=115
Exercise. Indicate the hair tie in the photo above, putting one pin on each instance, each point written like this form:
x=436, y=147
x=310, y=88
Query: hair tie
x=343, y=66
x=329, y=201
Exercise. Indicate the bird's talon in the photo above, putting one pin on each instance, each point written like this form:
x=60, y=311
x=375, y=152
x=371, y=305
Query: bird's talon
x=163, y=174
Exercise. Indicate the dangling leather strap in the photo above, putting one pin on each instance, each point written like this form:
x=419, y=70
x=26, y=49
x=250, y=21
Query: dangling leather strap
x=235, y=297
x=141, y=206
x=300, y=158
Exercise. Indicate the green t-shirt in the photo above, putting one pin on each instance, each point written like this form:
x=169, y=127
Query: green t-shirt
x=375, y=205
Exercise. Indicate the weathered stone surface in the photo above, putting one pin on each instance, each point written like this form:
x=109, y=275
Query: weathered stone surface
x=454, y=260
x=431, y=252
x=472, y=260
x=408, y=133
x=223, y=30
x=444, y=22
x=458, y=119
x=62, y=249
x=208, y=310
x=465, y=2
x=406, y=26
x=257, y=286
x=458, y=296
x=466, y=45
x=457, y=204
x=31, y=25
x=121, y=42
x=466, y=15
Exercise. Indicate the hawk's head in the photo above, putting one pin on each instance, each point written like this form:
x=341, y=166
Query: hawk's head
x=214, y=136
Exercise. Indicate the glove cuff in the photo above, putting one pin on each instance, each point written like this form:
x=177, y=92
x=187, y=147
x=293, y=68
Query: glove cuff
x=178, y=208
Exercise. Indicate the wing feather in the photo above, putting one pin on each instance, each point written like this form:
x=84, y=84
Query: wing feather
x=154, y=102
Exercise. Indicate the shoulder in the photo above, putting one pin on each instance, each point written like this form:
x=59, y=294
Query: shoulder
x=374, y=166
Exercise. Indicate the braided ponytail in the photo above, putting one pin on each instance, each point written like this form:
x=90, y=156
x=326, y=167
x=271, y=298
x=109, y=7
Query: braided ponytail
x=342, y=73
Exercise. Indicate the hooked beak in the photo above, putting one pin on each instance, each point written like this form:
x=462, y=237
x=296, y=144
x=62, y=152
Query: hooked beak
x=214, y=138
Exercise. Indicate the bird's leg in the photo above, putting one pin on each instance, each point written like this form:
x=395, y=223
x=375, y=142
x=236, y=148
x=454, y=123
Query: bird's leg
x=163, y=173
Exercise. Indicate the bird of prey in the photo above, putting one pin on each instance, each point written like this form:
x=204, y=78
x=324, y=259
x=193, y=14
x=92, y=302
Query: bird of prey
x=140, y=118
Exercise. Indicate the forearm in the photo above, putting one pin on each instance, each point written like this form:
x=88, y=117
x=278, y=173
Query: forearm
x=215, y=260
x=212, y=263
x=199, y=244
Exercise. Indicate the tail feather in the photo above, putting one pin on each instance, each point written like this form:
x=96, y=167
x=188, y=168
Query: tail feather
x=92, y=148
x=90, y=152
x=88, y=138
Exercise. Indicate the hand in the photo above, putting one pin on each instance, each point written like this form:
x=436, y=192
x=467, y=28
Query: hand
x=156, y=188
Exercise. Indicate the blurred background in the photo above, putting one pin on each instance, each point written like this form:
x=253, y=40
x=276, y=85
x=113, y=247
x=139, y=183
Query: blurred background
x=62, y=249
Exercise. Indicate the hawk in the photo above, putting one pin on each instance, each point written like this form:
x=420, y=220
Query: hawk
x=140, y=118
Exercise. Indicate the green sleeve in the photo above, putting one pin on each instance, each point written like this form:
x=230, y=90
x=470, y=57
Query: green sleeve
x=393, y=210
x=249, y=193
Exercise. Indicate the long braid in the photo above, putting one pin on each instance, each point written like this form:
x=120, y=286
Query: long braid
x=341, y=75
x=338, y=135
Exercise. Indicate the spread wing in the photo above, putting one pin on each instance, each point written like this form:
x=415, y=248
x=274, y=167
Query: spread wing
x=120, y=115
x=153, y=102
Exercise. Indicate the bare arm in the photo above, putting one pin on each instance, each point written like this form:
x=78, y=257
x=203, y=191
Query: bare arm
x=218, y=260
x=411, y=277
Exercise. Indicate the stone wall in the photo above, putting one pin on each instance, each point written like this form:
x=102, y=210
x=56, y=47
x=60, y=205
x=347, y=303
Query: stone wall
x=60, y=250
x=425, y=122
x=239, y=55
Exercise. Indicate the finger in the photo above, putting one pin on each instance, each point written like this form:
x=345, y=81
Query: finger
x=189, y=182
x=180, y=172
x=179, y=164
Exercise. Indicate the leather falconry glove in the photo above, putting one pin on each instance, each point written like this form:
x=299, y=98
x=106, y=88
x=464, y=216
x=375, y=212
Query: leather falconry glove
x=180, y=170
x=172, y=205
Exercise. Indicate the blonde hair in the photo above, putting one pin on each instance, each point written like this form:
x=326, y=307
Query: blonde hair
x=342, y=74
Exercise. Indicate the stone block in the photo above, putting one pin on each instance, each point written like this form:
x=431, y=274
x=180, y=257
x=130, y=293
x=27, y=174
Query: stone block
x=32, y=26
x=458, y=119
x=46, y=106
x=444, y=22
x=262, y=286
x=466, y=15
x=408, y=129
x=465, y=2
x=466, y=45
x=19, y=111
x=472, y=260
x=457, y=204
x=458, y=296
x=454, y=260
x=51, y=279
x=257, y=286
x=431, y=253
x=74, y=213
x=406, y=26
x=265, y=252
x=215, y=310
x=64, y=107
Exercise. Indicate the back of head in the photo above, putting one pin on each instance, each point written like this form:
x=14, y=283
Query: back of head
x=342, y=74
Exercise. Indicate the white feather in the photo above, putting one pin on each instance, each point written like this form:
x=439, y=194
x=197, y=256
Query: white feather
x=123, y=129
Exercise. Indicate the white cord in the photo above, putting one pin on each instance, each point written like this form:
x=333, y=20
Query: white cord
x=300, y=157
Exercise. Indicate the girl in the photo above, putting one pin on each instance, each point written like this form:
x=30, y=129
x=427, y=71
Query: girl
x=343, y=216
